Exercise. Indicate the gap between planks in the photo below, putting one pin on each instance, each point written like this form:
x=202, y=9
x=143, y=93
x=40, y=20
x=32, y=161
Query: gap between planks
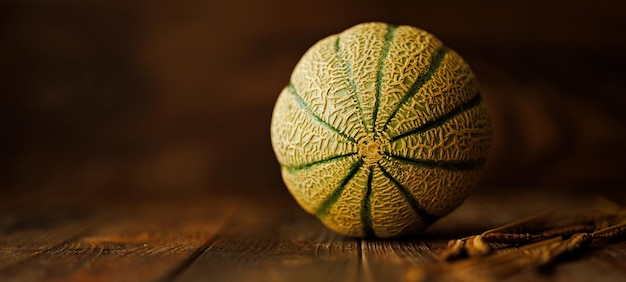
x=130, y=243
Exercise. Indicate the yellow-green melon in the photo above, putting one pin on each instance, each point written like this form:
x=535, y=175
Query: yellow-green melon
x=381, y=130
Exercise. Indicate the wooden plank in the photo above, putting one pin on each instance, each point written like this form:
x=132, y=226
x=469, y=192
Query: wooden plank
x=401, y=259
x=141, y=242
x=29, y=230
x=259, y=239
x=389, y=260
x=603, y=263
x=415, y=259
x=274, y=240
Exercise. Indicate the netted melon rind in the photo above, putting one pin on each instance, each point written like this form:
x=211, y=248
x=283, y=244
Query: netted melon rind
x=380, y=131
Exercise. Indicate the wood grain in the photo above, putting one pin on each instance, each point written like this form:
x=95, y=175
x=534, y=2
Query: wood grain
x=276, y=241
x=140, y=242
x=27, y=231
x=264, y=238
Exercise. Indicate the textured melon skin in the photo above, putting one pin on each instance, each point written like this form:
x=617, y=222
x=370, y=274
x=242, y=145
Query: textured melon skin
x=381, y=131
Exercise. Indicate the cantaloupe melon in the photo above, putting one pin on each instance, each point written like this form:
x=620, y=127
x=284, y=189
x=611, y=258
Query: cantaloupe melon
x=381, y=130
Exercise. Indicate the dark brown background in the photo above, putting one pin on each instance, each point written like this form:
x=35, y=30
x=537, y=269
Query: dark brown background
x=116, y=98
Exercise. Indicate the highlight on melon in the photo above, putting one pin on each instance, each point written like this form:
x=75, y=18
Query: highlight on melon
x=380, y=131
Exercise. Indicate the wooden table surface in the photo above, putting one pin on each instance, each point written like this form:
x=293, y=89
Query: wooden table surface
x=260, y=238
x=134, y=142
